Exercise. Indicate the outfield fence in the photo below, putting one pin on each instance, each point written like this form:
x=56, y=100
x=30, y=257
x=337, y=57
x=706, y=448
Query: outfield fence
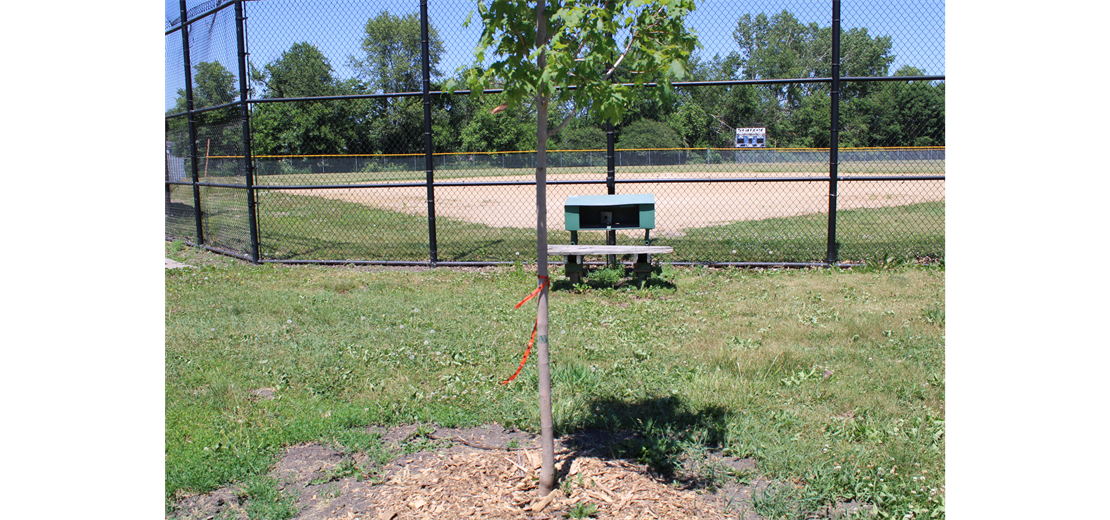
x=345, y=172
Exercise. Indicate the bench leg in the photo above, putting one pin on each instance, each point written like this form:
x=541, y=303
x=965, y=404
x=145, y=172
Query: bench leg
x=642, y=268
x=573, y=269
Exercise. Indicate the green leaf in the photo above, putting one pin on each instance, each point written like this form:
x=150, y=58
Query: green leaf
x=677, y=70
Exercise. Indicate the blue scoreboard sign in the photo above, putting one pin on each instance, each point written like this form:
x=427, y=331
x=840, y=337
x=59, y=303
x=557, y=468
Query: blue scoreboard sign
x=751, y=137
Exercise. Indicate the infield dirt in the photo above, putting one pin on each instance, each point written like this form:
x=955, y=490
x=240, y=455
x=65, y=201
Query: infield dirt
x=679, y=205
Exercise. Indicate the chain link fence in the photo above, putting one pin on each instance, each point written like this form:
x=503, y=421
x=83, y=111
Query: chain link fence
x=336, y=169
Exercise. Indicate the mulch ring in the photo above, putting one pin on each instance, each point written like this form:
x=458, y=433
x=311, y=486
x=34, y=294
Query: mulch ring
x=487, y=473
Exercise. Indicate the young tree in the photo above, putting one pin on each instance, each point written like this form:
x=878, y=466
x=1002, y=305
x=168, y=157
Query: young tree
x=566, y=52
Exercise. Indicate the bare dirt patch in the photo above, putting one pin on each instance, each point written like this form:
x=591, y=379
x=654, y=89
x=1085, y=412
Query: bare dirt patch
x=679, y=205
x=490, y=472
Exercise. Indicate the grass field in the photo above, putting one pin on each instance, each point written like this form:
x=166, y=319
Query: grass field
x=704, y=221
x=833, y=380
x=293, y=226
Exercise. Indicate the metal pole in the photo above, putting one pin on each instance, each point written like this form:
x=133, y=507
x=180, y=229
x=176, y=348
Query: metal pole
x=168, y=186
x=192, y=124
x=244, y=114
x=610, y=182
x=610, y=167
x=610, y=159
x=429, y=167
x=834, y=131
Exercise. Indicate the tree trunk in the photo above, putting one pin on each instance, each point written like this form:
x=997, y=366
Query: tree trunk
x=547, y=425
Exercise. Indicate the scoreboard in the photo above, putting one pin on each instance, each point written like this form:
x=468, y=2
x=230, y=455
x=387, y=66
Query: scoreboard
x=751, y=137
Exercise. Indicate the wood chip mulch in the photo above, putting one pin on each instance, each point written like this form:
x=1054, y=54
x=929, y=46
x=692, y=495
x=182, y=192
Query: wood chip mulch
x=503, y=484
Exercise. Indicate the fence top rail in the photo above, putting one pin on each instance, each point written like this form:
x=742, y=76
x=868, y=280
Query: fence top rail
x=463, y=184
x=599, y=150
x=176, y=25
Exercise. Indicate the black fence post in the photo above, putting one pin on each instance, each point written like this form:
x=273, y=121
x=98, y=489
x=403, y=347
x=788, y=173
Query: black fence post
x=429, y=166
x=610, y=180
x=244, y=113
x=610, y=159
x=834, y=132
x=192, y=122
x=610, y=170
x=168, y=191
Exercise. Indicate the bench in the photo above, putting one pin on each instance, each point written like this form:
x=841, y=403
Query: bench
x=610, y=213
x=641, y=268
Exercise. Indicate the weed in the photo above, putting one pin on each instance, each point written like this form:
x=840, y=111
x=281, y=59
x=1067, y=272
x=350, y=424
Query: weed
x=934, y=315
x=799, y=377
x=421, y=440
x=608, y=277
x=776, y=502
x=744, y=344
x=581, y=510
x=265, y=500
x=883, y=261
x=346, y=468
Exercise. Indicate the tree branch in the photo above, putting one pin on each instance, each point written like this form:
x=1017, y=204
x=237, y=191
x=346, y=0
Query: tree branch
x=613, y=69
x=635, y=33
x=561, y=125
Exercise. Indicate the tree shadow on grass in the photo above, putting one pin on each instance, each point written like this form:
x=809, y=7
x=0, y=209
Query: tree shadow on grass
x=478, y=250
x=659, y=432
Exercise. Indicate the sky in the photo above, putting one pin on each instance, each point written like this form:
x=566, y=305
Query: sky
x=336, y=28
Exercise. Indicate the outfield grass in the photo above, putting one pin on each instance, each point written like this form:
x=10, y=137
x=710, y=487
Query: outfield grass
x=913, y=230
x=831, y=379
x=296, y=226
x=692, y=169
x=299, y=227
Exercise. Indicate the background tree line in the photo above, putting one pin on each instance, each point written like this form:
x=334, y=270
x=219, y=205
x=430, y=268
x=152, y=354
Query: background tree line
x=889, y=113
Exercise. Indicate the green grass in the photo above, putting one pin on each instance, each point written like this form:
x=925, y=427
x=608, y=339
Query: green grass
x=300, y=227
x=225, y=219
x=303, y=227
x=831, y=379
x=295, y=226
x=915, y=230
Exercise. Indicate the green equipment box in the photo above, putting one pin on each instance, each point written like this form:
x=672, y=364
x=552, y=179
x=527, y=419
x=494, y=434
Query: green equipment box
x=610, y=212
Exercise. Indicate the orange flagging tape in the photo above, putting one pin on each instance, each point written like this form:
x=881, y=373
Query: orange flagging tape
x=546, y=282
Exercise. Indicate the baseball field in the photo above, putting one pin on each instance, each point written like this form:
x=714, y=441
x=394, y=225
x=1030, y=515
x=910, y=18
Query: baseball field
x=684, y=199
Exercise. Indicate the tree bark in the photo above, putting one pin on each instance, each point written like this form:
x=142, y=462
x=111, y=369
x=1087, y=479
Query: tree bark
x=547, y=425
